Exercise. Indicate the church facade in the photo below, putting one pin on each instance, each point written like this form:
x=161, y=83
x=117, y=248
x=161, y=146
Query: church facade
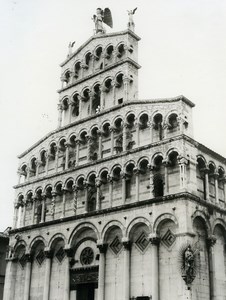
x=119, y=202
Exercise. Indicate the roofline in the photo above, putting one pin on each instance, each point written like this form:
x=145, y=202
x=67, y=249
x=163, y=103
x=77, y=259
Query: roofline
x=94, y=37
x=127, y=103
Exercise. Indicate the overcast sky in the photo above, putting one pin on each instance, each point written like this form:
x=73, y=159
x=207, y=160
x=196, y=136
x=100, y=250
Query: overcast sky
x=182, y=51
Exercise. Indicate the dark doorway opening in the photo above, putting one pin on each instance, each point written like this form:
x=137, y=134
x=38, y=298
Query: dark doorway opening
x=85, y=291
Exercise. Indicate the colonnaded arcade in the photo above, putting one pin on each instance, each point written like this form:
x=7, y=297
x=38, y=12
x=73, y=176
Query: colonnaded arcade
x=119, y=202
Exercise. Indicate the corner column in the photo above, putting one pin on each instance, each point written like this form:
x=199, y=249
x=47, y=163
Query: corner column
x=53, y=201
x=9, y=287
x=48, y=255
x=155, y=265
x=206, y=174
x=136, y=171
x=101, y=278
x=126, y=268
x=60, y=115
x=98, y=184
x=110, y=180
x=66, y=294
x=183, y=162
x=216, y=176
x=210, y=246
x=166, y=185
x=112, y=130
x=27, y=277
x=123, y=177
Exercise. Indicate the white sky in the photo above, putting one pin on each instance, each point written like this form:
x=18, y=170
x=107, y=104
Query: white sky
x=182, y=51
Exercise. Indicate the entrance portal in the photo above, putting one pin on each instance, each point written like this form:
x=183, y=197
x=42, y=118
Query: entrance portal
x=85, y=291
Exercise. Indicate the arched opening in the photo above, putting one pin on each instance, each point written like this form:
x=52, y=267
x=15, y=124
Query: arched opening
x=96, y=100
x=158, y=126
x=94, y=144
x=77, y=69
x=120, y=50
x=200, y=173
x=75, y=105
x=118, y=135
x=33, y=168
x=92, y=193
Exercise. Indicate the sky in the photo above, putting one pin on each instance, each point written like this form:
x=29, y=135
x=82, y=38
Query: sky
x=182, y=52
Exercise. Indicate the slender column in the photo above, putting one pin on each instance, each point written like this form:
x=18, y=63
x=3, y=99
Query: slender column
x=206, y=174
x=100, y=144
x=24, y=213
x=27, y=277
x=15, y=216
x=210, y=246
x=216, y=176
x=126, y=269
x=137, y=141
x=43, y=208
x=123, y=177
x=86, y=186
x=67, y=145
x=98, y=184
x=183, y=162
x=70, y=110
x=66, y=294
x=151, y=185
x=63, y=202
x=19, y=173
x=102, y=98
x=91, y=98
x=60, y=114
x=38, y=163
x=124, y=133
x=180, y=122
x=112, y=130
x=136, y=171
x=155, y=266
x=48, y=255
x=165, y=130
x=56, y=159
x=110, y=180
x=151, y=126
x=75, y=200
x=166, y=185
x=126, y=87
x=113, y=83
x=77, y=151
x=47, y=163
x=224, y=182
x=101, y=278
x=33, y=210
x=9, y=287
x=53, y=201
x=80, y=104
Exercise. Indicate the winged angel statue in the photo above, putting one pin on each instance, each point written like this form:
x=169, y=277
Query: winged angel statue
x=102, y=16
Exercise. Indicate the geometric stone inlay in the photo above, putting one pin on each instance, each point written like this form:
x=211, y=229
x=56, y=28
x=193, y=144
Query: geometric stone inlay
x=142, y=242
x=169, y=238
x=23, y=260
x=60, y=254
x=40, y=257
x=116, y=245
x=87, y=256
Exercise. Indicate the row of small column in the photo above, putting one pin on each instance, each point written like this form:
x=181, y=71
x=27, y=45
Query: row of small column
x=216, y=177
x=103, y=90
x=103, y=57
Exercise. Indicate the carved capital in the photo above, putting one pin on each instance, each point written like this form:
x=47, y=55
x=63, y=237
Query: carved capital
x=154, y=239
x=211, y=240
x=102, y=247
x=68, y=251
x=48, y=253
x=126, y=243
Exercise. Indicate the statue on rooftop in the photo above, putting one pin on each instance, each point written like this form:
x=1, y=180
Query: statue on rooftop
x=131, y=23
x=102, y=16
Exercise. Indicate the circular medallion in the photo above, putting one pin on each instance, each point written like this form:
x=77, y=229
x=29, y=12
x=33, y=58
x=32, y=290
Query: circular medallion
x=87, y=256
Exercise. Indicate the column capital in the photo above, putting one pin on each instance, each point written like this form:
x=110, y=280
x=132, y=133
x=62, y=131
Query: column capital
x=136, y=171
x=110, y=178
x=98, y=182
x=28, y=257
x=205, y=170
x=151, y=167
x=182, y=160
x=68, y=250
x=166, y=162
x=102, y=246
x=154, y=239
x=126, y=243
x=48, y=252
x=211, y=240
